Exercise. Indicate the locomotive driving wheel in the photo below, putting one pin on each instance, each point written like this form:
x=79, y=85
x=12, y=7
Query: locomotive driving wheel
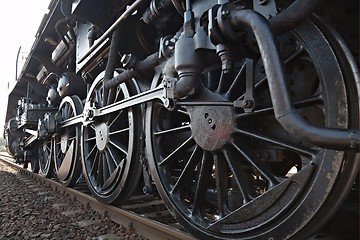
x=111, y=144
x=226, y=173
x=67, y=159
x=46, y=164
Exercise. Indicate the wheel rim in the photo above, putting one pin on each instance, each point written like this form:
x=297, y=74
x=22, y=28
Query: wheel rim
x=226, y=174
x=67, y=159
x=110, y=145
x=46, y=165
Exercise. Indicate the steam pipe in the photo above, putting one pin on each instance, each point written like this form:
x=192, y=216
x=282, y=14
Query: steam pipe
x=342, y=139
x=113, y=55
x=134, y=66
x=297, y=12
x=130, y=10
x=59, y=26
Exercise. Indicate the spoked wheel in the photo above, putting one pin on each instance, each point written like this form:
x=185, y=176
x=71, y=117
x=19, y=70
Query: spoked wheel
x=67, y=158
x=229, y=174
x=46, y=163
x=111, y=144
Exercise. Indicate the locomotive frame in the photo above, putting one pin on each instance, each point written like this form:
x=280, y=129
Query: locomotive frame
x=227, y=107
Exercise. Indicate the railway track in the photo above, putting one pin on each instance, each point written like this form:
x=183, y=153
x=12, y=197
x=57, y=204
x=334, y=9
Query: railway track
x=243, y=114
x=149, y=217
x=139, y=212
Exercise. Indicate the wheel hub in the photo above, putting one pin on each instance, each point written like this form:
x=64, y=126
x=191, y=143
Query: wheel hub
x=211, y=126
x=64, y=143
x=102, y=136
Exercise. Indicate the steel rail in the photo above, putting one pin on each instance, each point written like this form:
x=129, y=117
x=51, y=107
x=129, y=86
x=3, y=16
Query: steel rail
x=149, y=228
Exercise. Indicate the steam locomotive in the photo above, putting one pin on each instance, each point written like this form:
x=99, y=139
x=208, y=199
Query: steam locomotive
x=242, y=114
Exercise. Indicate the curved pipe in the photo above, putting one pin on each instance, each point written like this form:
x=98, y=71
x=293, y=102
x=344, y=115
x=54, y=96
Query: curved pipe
x=133, y=69
x=297, y=12
x=59, y=27
x=283, y=109
x=113, y=55
x=128, y=12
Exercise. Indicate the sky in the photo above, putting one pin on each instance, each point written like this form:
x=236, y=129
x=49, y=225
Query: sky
x=20, y=20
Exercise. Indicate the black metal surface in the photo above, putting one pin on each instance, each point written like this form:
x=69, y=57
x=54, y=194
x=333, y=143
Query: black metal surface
x=230, y=108
x=67, y=163
x=109, y=145
x=292, y=16
x=234, y=182
x=284, y=111
x=46, y=162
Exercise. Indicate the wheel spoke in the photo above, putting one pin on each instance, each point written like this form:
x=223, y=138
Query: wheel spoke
x=93, y=149
x=303, y=103
x=203, y=182
x=239, y=176
x=225, y=80
x=254, y=161
x=111, y=122
x=119, y=131
x=95, y=164
x=182, y=111
x=309, y=101
x=238, y=79
x=90, y=139
x=112, y=157
x=221, y=183
x=173, y=130
x=58, y=151
x=182, y=148
x=263, y=80
x=99, y=173
x=299, y=52
x=119, y=146
x=105, y=165
x=308, y=152
x=72, y=138
x=48, y=149
x=119, y=94
x=186, y=174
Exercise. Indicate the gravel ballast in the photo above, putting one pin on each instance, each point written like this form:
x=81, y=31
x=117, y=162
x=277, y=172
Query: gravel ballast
x=30, y=210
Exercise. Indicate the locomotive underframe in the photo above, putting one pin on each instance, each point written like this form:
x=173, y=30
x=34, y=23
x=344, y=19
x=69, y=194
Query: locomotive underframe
x=218, y=39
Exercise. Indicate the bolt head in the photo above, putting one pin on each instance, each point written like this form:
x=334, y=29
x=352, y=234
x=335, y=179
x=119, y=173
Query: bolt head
x=225, y=13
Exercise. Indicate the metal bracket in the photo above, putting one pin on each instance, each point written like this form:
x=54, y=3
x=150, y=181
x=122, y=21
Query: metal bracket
x=248, y=103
